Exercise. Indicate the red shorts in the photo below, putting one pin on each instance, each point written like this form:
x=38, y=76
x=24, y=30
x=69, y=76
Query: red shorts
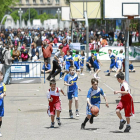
x=53, y=107
x=126, y=103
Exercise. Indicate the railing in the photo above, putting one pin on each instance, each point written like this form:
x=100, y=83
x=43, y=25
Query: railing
x=26, y=72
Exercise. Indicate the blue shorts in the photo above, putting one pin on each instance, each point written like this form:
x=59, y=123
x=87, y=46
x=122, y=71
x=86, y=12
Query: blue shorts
x=73, y=94
x=81, y=65
x=88, y=109
x=77, y=66
x=96, y=66
x=1, y=108
x=67, y=67
x=113, y=64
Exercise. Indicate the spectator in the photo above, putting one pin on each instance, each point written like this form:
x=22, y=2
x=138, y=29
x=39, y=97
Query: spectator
x=82, y=39
x=1, y=42
x=90, y=62
x=39, y=42
x=27, y=40
x=34, y=50
x=16, y=54
x=9, y=41
x=65, y=46
x=104, y=42
x=43, y=37
x=11, y=49
x=7, y=65
x=47, y=50
x=46, y=67
x=24, y=53
x=15, y=41
x=35, y=58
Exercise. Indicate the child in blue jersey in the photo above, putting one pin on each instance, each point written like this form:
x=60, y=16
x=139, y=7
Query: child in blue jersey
x=2, y=94
x=82, y=57
x=76, y=62
x=97, y=64
x=68, y=59
x=46, y=67
x=72, y=90
x=93, y=99
x=113, y=62
x=131, y=67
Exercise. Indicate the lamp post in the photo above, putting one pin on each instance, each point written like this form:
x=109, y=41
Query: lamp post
x=20, y=12
x=58, y=12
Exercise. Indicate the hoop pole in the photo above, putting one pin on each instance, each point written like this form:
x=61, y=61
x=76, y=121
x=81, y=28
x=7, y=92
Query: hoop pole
x=87, y=34
x=72, y=31
x=127, y=52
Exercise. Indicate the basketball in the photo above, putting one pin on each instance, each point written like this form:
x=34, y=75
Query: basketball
x=94, y=110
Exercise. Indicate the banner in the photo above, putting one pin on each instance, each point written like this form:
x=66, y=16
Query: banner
x=134, y=52
x=118, y=25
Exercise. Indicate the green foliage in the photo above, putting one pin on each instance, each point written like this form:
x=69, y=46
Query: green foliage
x=15, y=15
x=33, y=15
x=45, y=16
x=4, y=6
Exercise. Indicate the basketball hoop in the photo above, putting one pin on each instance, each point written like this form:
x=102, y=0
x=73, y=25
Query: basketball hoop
x=131, y=16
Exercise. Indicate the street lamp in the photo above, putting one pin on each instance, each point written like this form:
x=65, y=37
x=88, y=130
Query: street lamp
x=20, y=12
x=58, y=12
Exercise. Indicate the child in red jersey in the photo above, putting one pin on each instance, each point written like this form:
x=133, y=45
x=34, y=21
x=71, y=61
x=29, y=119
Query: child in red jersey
x=125, y=103
x=53, y=96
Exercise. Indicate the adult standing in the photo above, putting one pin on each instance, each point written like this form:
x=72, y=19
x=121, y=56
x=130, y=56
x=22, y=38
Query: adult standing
x=56, y=64
x=34, y=50
x=16, y=54
x=65, y=46
x=7, y=65
x=47, y=50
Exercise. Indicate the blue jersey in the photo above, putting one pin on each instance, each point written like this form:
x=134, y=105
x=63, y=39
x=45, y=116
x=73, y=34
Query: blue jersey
x=131, y=67
x=71, y=79
x=94, y=95
x=76, y=58
x=48, y=67
x=112, y=57
x=82, y=60
x=67, y=59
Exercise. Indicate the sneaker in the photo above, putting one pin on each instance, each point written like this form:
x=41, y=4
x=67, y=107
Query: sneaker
x=71, y=115
x=122, y=124
x=127, y=129
x=77, y=113
x=58, y=121
x=82, y=126
x=60, y=78
x=89, y=72
x=52, y=125
x=107, y=74
x=52, y=78
x=91, y=120
x=115, y=75
x=0, y=134
x=82, y=74
x=95, y=75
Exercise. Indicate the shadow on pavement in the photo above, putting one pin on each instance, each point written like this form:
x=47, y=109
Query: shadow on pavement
x=51, y=128
x=91, y=129
x=116, y=131
x=70, y=118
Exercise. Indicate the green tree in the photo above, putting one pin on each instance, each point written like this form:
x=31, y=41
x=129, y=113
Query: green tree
x=15, y=15
x=4, y=6
x=45, y=16
x=33, y=15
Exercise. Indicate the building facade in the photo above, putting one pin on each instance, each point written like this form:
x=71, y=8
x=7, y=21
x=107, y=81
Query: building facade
x=42, y=6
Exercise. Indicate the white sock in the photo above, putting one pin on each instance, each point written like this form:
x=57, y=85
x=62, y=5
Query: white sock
x=122, y=120
x=128, y=124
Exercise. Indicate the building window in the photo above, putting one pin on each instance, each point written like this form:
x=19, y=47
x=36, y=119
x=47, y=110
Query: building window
x=41, y=1
x=41, y=12
x=27, y=1
x=34, y=1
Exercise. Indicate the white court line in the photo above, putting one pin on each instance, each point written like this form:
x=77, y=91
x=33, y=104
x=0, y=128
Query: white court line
x=25, y=89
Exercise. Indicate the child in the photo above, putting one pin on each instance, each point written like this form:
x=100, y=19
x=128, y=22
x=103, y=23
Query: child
x=72, y=91
x=131, y=68
x=119, y=60
x=125, y=103
x=61, y=63
x=35, y=58
x=119, y=43
x=68, y=58
x=82, y=57
x=53, y=96
x=93, y=99
x=113, y=62
x=76, y=62
x=97, y=63
x=46, y=67
x=2, y=94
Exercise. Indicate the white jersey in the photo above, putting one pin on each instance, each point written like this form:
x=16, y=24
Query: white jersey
x=120, y=57
x=35, y=58
x=61, y=60
x=125, y=87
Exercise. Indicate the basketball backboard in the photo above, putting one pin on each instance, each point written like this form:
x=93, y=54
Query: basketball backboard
x=77, y=8
x=119, y=9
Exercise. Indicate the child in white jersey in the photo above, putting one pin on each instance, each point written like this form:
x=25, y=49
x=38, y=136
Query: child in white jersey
x=53, y=96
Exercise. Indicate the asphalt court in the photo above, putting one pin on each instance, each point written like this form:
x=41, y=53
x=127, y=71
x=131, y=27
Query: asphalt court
x=26, y=111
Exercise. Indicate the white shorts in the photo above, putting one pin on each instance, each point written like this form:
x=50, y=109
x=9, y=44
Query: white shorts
x=119, y=64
